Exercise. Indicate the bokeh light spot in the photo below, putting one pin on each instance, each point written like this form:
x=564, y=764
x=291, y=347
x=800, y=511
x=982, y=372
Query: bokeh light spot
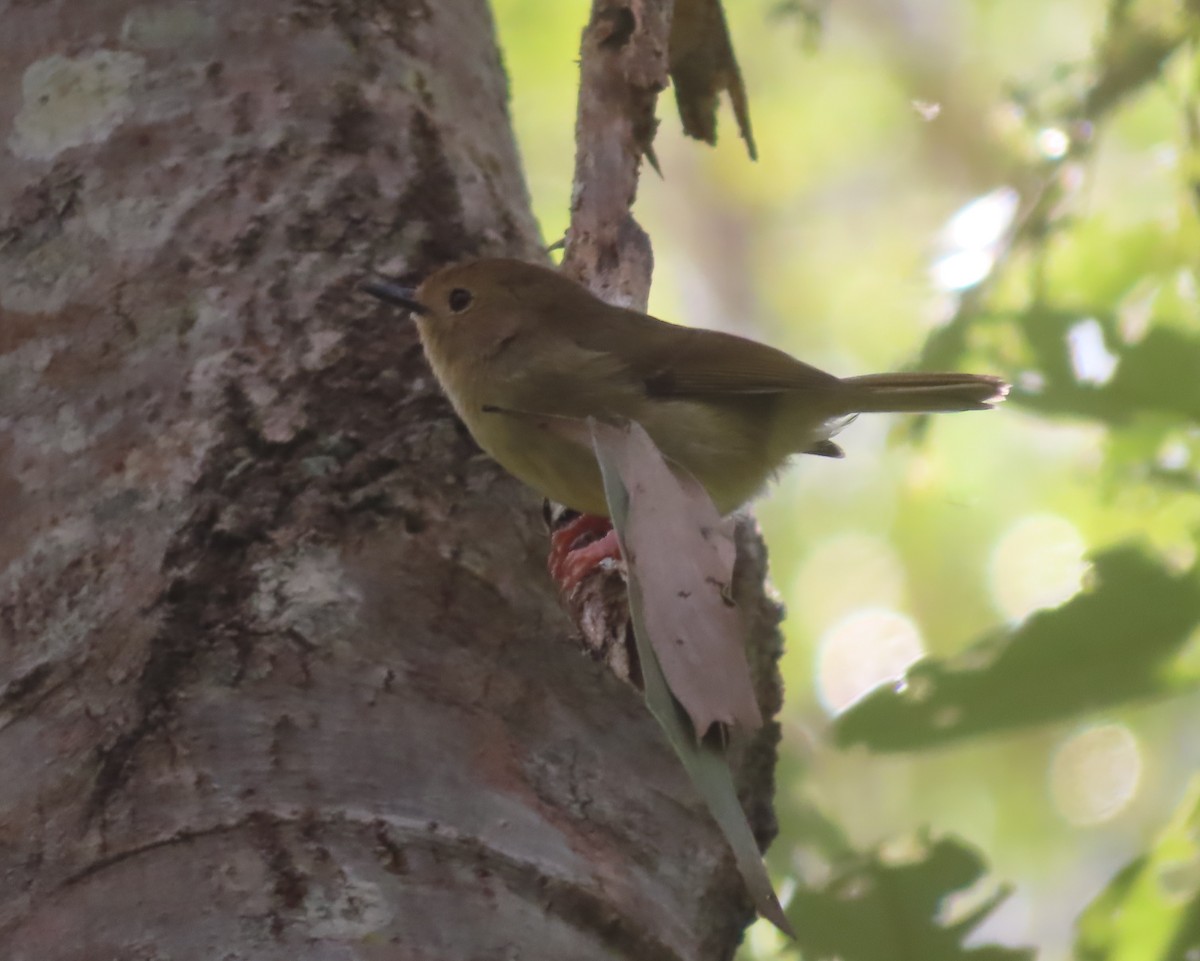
x=1091, y=359
x=844, y=573
x=1173, y=455
x=984, y=221
x=1095, y=773
x=1037, y=563
x=1053, y=143
x=961, y=269
x=927, y=110
x=971, y=239
x=862, y=651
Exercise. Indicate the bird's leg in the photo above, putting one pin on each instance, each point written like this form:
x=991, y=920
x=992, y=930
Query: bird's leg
x=578, y=547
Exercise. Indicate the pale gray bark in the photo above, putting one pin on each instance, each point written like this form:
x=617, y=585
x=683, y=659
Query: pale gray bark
x=281, y=672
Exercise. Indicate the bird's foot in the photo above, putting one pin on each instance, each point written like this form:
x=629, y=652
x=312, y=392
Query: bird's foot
x=580, y=546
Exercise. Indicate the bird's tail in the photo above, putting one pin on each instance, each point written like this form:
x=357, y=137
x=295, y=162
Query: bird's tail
x=923, y=393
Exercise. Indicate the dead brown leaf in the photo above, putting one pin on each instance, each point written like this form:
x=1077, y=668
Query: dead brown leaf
x=680, y=555
x=702, y=64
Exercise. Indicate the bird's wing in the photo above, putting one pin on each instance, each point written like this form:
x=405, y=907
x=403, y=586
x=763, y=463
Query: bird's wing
x=671, y=360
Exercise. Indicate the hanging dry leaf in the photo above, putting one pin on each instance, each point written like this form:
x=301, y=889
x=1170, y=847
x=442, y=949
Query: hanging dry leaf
x=702, y=64
x=704, y=760
x=680, y=553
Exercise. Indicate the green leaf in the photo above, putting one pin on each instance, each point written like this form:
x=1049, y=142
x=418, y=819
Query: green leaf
x=1118, y=641
x=1151, y=910
x=1157, y=375
x=704, y=761
x=891, y=905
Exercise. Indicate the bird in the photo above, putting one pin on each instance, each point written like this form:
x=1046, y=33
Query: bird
x=513, y=343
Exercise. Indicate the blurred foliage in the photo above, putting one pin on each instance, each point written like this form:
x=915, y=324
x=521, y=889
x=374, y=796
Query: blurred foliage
x=890, y=904
x=1008, y=187
x=1118, y=641
x=1151, y=909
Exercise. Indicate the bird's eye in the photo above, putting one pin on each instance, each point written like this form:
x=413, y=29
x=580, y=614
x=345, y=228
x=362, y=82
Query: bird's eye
x=459, y=300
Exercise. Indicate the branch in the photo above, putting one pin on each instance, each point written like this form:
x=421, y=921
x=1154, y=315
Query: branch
x=624, y=63
x=623, y=68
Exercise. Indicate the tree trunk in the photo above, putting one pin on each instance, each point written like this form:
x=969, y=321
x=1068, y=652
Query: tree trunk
x=281, y=672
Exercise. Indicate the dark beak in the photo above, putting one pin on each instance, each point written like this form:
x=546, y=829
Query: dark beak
x=393, y=293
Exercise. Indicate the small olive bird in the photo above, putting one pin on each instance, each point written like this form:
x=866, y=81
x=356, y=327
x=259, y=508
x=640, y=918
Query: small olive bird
x=511, y=342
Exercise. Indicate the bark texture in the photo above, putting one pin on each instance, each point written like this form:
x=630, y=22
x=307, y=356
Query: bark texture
x=281, y=672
